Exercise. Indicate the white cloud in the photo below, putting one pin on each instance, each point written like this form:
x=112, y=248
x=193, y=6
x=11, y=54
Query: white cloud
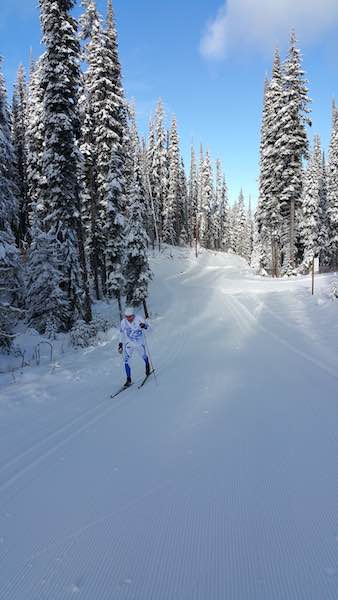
x=213, y=43
x=264, y=23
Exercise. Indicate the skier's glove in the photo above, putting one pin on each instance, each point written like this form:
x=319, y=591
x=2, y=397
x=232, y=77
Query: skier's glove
x=143, y=326
x=120, y=348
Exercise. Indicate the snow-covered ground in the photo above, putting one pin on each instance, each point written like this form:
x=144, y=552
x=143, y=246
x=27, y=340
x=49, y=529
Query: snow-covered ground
x=218, y=482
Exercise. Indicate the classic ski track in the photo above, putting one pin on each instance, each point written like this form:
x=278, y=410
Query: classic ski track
x=237, y=309
x=71, y=539
x=59, y=444
x=64, y=546
x=177, y=346
x=14, y=477
x=317, y=363
x=39, y=443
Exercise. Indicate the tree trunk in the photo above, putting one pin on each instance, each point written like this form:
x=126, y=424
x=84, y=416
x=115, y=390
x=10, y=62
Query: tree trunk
x=275, y=258
x=145, y=308
x=94, y=263
x=118, y=298
x=87, y=312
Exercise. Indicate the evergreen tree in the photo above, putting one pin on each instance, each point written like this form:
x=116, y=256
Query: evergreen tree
x=137, y=270
x=207, y=202
x=263, y=232
x=200, y=190
x=47, y=304
x=332, y=190
x=115, y=225
x=271, y=169
x=35, y=137
x=241, y=229
x=10, y=280
x=159, y=166
x=311, y=217
x=257, y=258
x=323, y=236
x=292, y=145
x=233, y=227
x=19, y=112
x=171, y=215
x=60, y=161
x=193, y=198
x=250, y=231
x=105, y=133
x=150, y=222
x=221, y=214
x=156, y=220
x=183, y=206
x=224, y=219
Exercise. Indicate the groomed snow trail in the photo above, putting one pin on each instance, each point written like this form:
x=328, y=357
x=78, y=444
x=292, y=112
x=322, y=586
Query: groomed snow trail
x=219, y=483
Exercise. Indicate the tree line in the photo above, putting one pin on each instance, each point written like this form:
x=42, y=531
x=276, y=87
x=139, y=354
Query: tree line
x=297, y=214
x=82, y=197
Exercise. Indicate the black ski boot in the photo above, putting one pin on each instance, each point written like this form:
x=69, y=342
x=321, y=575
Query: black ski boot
x=147, y=368
x=128, y=382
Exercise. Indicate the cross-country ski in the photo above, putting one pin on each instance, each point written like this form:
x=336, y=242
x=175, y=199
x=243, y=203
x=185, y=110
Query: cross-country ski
x=123, y=388
x=145, y=379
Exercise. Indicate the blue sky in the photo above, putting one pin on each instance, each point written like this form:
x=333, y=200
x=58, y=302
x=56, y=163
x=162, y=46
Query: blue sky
x=207, y=60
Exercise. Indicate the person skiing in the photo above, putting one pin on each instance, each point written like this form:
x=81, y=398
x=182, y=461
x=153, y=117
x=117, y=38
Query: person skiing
x=132, y=338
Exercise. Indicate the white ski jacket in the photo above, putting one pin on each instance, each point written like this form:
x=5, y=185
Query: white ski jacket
x=132, y=332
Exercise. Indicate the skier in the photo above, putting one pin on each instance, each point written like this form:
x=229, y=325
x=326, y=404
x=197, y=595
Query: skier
x=131, y=339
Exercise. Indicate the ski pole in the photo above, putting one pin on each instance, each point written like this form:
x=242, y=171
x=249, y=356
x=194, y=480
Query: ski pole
x=150, y=359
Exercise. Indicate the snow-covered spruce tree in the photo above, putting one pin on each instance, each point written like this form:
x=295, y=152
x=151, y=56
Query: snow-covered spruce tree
x=10, y=277
x=263, y=248
x=233, y=227
x=200, y=191
x=332, y=190
x=216, y=223
x=250, y=231
x=47, y=303
x=257, y=258
x=93, y=214
x=207, y=199
x=324, y=226
x=192, y=198
x=183, y=206
x=35, y=137
x=19, y=112
x=115, y=225
x=171, y=214
x=241, y=246
x=149, y=185
x=221, y=215
x=311, y=217
x=136, y=266
x=224, y=219
x=150, y=222
x=60, y=162
x=262, y=229
x=159, y=170
x=271, y=169
x=292, y=146
x=105, y=131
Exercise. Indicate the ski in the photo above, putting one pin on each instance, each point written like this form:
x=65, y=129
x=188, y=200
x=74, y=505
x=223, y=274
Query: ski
x=145, y=379
x=122, y=389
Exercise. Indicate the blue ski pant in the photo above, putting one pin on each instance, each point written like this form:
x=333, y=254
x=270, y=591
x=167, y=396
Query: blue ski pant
x=129, y=350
